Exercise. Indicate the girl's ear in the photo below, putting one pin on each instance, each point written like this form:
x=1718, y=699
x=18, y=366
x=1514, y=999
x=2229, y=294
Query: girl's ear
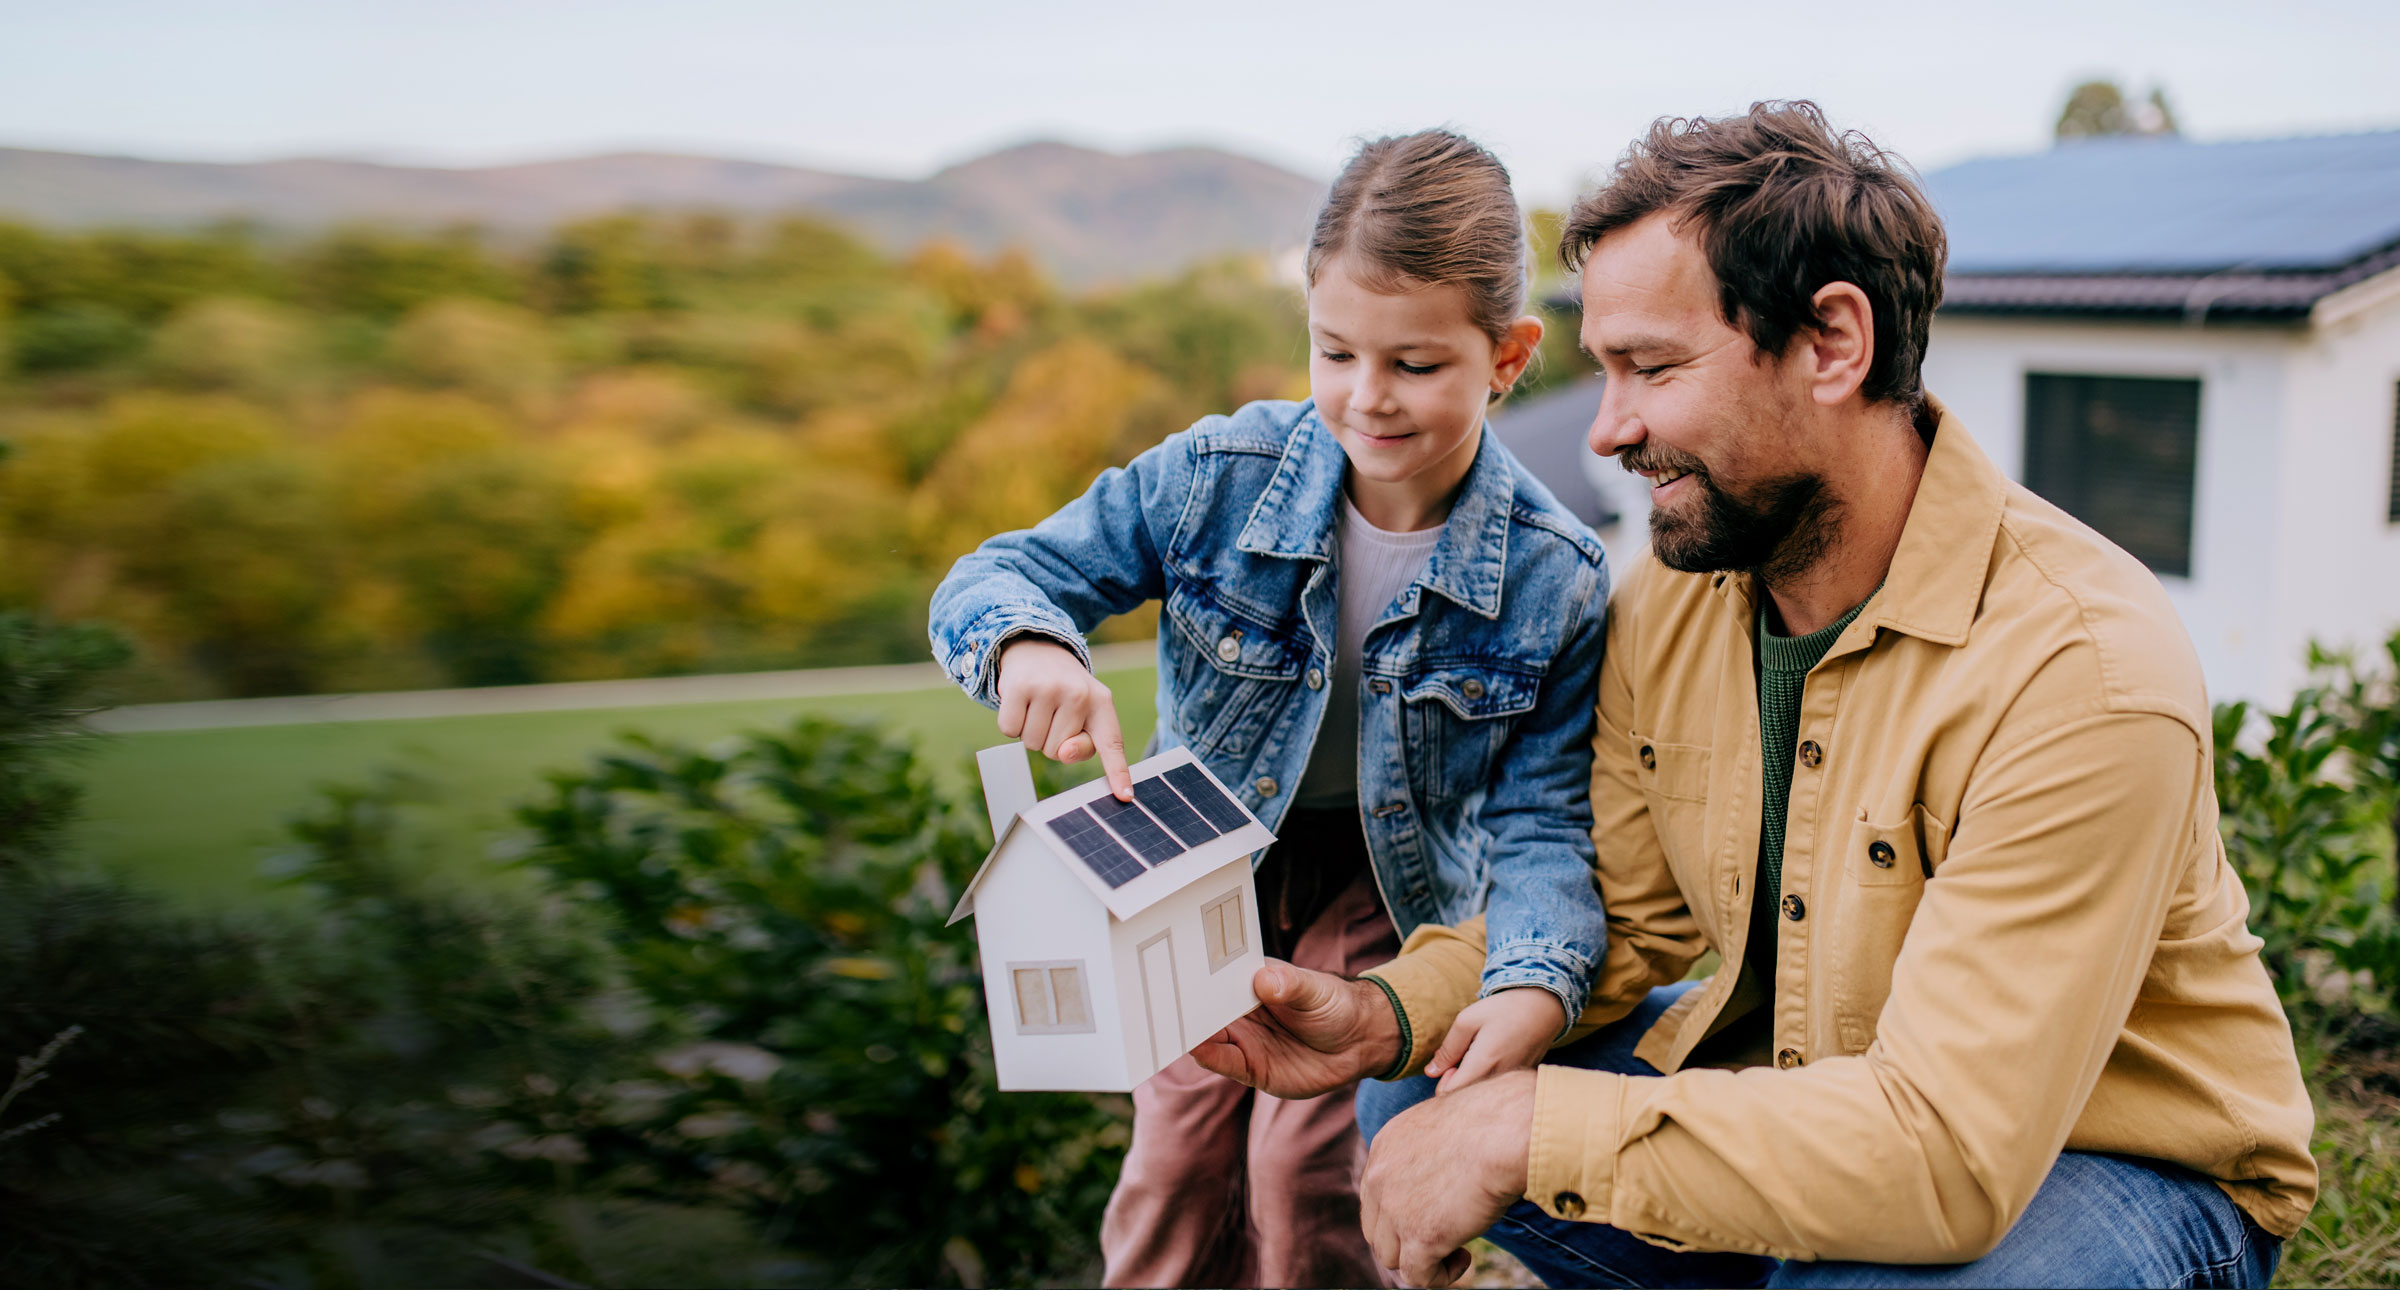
x=1515, y=351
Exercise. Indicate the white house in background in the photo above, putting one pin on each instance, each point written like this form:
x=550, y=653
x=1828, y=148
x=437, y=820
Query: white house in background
x=2195, y=349
x=1114, y=936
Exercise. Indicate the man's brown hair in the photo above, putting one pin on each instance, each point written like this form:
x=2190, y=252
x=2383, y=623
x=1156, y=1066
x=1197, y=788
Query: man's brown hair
x=1784, y=204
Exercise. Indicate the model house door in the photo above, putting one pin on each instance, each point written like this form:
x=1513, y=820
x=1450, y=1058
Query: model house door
x=1162, y=999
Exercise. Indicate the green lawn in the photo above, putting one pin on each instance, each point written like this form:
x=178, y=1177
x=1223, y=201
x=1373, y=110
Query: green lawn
x=193, y=812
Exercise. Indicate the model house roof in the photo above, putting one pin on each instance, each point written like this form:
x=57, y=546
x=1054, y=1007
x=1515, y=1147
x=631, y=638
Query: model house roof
x=2252, y=231
x=1181, y=825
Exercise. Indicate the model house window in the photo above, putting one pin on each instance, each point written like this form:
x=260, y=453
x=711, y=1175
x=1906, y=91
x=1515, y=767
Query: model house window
x=1051, y=998
x=2391, y=511
x=1223, y=929
x=2118, y=453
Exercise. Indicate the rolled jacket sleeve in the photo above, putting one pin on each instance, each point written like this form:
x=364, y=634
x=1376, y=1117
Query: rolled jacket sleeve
x=1098, y=555
x=2010, y=992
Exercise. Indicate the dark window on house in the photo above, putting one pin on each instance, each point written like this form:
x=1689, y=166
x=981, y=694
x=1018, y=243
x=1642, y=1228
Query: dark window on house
x=2392, y=508
x=2118, y=453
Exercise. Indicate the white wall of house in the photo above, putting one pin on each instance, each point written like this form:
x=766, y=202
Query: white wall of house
x=2289, y=539
x=2338, y=555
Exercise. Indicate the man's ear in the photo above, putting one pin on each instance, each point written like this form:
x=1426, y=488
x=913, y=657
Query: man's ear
x=1516, y=349
x=1841, y=347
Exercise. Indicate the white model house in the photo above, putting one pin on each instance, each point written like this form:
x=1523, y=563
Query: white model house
x=2192, y=347
x=1114, y=936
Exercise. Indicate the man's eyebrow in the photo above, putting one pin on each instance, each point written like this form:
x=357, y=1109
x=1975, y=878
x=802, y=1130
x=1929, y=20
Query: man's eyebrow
x=1633, y=345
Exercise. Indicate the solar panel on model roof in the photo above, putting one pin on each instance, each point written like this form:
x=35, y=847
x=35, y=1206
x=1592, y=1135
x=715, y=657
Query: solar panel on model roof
x=1140, y=833
x=1201, y=791
x=1097, y=848
x=1173, y=812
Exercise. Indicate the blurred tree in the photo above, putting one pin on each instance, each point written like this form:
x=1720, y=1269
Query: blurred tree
x=383, y=274
x=606, y=265
x=495, y=350
x=1062, y=420
x=72, y=337
x=231, y=343
x=2098, y=108
x=472, y=526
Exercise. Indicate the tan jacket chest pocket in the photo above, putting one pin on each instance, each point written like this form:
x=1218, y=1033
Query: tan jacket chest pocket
x=1901, y=854
x=1674, y=780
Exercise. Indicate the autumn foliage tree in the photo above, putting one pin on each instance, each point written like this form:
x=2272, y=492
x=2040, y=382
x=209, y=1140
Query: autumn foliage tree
x=647, y=444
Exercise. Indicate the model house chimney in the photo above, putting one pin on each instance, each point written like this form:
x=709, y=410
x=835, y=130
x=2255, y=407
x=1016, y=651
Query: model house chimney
x=1007, y=783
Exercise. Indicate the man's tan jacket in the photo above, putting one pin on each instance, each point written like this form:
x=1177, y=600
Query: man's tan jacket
x=2008, y=926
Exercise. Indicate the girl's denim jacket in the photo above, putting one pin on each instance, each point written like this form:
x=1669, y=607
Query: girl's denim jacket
x=1477, y=683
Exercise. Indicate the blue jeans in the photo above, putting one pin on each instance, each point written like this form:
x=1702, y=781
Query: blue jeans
x=2098, y=1220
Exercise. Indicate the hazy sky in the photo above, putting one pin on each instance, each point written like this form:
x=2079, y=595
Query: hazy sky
x=901, y=89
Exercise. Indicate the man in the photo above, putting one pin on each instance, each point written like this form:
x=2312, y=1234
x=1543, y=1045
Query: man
x=1922, y=758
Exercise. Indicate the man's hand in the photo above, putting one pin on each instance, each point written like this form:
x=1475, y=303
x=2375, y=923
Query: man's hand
x=1442, y=1172
x=1049, y=700
x=1506, y=1031
x=1311, y=1033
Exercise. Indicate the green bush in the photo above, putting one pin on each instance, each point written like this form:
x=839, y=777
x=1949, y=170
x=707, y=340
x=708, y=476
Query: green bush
x=785, y=894
x=2308, y=797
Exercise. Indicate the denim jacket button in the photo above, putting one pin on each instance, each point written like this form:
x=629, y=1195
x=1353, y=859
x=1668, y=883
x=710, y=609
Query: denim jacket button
x=1380, y=686
x=1471, y=688
x=1316, y=678
x=1265, y=786
x=1228, y=648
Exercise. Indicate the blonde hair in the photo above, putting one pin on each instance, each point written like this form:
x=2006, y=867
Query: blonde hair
x=1416, y=210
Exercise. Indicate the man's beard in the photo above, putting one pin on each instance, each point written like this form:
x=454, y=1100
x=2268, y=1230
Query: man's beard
x=1775, y=528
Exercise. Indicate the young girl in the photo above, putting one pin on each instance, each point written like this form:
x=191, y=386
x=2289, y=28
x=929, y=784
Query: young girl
x=1382, y=633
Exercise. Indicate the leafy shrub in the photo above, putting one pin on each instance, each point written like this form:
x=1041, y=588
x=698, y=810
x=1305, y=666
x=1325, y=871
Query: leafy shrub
x=785, y=895
x=2308, y=797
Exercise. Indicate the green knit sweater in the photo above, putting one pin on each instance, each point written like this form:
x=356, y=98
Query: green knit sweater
x=1783, y=666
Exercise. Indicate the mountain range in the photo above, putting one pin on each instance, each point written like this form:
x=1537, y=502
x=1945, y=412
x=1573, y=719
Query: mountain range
x=1087, y=215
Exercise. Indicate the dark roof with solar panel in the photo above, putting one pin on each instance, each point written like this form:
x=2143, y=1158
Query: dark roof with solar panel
x=2255, y=231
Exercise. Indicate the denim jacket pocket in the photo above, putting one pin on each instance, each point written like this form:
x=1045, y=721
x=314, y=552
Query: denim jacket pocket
x=1458, y=716
x=1235, y=674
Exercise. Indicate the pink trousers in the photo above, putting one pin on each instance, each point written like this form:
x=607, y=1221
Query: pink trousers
x=1226, y=1186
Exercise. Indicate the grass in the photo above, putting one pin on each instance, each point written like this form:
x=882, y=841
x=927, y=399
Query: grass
x=2352, y=1238
x=192, y=813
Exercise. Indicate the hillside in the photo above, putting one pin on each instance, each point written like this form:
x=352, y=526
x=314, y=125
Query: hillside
x=1088, y=215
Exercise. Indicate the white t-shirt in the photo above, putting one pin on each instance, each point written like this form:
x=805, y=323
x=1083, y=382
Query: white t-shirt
x=1372, y=567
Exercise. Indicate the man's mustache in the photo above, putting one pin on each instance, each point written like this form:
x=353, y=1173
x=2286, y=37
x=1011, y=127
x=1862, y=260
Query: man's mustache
x=1650, y=459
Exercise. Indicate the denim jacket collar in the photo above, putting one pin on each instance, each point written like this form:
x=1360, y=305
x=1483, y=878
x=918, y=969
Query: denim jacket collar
x=1294, y=517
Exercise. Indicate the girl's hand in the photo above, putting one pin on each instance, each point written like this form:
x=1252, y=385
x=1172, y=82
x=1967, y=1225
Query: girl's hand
x=1049, y=700
x=1501, y=1032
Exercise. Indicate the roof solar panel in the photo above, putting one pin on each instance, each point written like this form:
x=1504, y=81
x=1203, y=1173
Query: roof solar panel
x=1202, y=793
x=1185, y=823
x=1139, y=831
x=1104, y=854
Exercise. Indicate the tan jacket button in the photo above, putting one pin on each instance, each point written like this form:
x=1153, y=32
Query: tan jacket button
x=1567, y=1204
x=1228, y=648
x=1787, y=1059
x=1879, y=854
x=1265, y=786
x=1811, y=755
x=1793, y=908
x=1649, y=758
